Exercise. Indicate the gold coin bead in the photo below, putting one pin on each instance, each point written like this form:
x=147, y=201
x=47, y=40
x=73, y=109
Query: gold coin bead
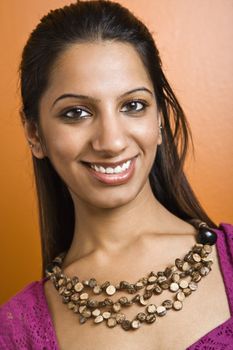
x=177, y=305
x=106, y=315
x=110, y=290
x=99, y=319
x=184, y=284
x=181, y=279
x=111, y=322
x=141, y=316
x=161, y=310
x=167, y=304
x=120, y=317
x=78, y=287
x=151, y=309
x=180, y=296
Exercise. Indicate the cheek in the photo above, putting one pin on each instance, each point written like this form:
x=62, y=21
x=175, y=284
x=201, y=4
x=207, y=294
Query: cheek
x=63, y=144
x=147, y=134
x=62, y=151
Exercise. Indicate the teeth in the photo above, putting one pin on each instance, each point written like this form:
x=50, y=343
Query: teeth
x=117, y=170
x=124, y=167
x=101, y=169
x=109, y=171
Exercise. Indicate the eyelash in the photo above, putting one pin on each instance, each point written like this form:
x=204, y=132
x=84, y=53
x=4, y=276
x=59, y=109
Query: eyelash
x=143, y=103
x=80, y=109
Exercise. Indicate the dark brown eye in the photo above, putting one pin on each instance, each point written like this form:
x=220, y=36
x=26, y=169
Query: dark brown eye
x=134, y=106
x=76, y=113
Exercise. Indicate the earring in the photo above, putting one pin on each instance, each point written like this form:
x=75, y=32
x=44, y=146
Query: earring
x=30, y=144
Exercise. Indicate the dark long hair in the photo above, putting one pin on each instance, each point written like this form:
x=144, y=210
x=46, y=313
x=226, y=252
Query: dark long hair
x=92, y=21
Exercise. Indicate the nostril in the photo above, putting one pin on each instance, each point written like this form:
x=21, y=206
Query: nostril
x=109, y=136
x=110, y=144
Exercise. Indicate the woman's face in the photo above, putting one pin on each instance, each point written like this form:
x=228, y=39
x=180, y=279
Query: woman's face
x=99, y=123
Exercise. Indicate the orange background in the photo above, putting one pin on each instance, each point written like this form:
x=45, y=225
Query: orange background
x=195, y=39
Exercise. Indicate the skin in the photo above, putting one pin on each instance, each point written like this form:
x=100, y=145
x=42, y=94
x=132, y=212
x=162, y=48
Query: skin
x=109, y=131
x=114, y=223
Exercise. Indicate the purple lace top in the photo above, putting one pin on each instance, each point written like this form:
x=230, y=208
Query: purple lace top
x=25, y=321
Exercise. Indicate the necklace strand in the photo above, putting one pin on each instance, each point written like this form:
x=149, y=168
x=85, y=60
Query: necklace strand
x=181, y=279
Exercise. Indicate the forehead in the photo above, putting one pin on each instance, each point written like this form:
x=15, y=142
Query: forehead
x=104, y=66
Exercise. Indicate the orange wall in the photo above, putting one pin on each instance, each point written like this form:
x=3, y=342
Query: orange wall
x=195, y=39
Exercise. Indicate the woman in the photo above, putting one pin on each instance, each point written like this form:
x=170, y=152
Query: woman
x=118, y=217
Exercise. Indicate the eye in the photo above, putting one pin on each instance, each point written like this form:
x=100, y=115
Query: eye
x=76, y=113
x=134, y=106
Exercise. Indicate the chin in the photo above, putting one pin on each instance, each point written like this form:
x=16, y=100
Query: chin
x=117, y=198
x=106, y=200
x=109, y=198
x=112, y=203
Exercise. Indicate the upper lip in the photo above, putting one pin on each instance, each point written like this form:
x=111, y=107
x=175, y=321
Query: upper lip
x=109, y=164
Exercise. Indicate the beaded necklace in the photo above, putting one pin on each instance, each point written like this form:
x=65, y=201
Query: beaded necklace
x=181, y=279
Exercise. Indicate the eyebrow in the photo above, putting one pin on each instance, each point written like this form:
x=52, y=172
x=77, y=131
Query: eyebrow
x=85, y=97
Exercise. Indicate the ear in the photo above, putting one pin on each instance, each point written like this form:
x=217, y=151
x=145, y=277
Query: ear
x=160, y=139
x=33, y=137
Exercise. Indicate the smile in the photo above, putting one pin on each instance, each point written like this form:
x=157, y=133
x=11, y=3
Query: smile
x=112, y=174
x=111, y=170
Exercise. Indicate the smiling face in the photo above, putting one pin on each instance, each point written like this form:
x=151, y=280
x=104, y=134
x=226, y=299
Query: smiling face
x=99, y=123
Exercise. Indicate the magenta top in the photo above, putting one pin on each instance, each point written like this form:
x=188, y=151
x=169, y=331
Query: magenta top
x=25, y=321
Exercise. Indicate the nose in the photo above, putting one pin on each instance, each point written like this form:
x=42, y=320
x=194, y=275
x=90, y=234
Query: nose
x=110, y=135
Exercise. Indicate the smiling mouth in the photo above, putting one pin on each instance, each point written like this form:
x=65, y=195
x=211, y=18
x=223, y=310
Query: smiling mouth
x=110, y=173
x=111, y=170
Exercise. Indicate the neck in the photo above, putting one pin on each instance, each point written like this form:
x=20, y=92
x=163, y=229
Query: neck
x=109, y=231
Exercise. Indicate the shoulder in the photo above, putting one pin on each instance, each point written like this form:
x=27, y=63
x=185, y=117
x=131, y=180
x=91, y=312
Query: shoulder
x=226, y=227
x=225, y=241
x=22, y=301
x=24, y=318
x=225, y=234
x=225, y=255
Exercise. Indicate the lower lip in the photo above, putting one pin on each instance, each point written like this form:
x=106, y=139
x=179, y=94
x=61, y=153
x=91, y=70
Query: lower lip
x=115, y=179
